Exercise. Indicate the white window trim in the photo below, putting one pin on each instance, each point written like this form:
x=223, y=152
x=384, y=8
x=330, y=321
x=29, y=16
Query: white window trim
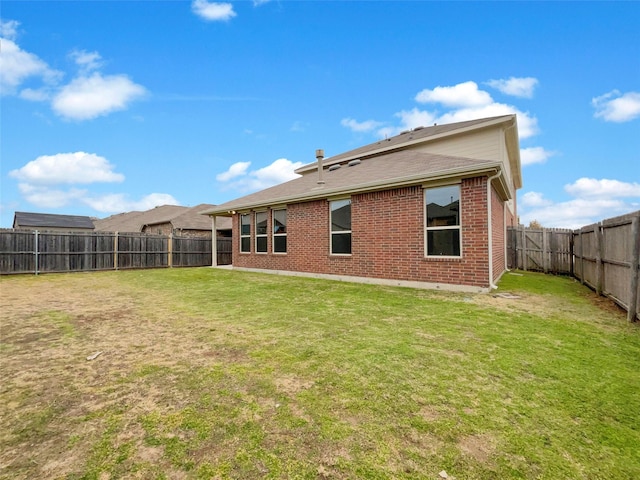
x=264, y=235
x=273, y=234
x=332, y=232
x=444, y=227
x=244, y=236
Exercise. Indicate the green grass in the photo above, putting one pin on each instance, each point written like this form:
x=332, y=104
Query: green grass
x=221, y=374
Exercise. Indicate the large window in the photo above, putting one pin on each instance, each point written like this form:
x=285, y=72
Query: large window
x=279, y=231
x=443, y=221
x=341, y=227
x=261, y=232
x=245, y=233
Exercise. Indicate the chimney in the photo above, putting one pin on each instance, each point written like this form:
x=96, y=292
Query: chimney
x=320, y=156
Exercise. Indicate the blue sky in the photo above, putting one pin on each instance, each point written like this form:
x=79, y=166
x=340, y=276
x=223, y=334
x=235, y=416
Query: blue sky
x=112, y=106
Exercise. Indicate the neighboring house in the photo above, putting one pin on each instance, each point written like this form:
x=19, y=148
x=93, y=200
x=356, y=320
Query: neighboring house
x=52, y=222
x=426, y=208
x=166, y=219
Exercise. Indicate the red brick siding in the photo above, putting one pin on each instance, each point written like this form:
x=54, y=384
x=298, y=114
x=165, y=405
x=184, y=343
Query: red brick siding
x=387, y=239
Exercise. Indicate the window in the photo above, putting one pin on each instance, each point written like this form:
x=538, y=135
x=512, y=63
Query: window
x=443, y=221
x=245, y=233
x=261, y=232
x=280, y=231
x=341, y=227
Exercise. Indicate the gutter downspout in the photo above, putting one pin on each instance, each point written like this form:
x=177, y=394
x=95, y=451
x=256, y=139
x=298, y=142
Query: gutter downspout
x=492, y=286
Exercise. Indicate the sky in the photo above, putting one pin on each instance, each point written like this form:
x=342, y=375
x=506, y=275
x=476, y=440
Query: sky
x=114, y=106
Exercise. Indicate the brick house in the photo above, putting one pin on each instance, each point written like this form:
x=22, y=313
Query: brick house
x=427, y=208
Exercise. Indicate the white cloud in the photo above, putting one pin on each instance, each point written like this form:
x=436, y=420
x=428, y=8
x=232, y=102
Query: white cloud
x=534, y=199
x=531, y=155
x=464, y=94
x=605, y=188
x=518, y=87
x=213, y=11
x=527, y=124
x=118, y=202
x=355, y=126
x=16, y=66
x=47, y=197
x=238, y=169
x=594, y=200
x=281, y=170
x=87, y=61
x=35, y=95
x=617, y=107
x=67, y=168
x=9, y=29
x=89, y=97
x=464, y=101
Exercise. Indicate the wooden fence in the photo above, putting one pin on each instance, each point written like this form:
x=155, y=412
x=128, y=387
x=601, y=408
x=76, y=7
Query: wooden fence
x=31, y=251
x=603, y=256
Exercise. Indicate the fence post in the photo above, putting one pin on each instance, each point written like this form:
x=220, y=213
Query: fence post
x=572, y=271
x=545, y=250
x=599, y=265
x=635, y=253
x=115, y=251
x=524, y=249
x=36, y=251
x=170, y=249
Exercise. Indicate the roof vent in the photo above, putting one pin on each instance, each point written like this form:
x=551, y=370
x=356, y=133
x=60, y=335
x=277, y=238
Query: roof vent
x=418, y=128
x=352, y=163
x=334, y=167
x=404, y=131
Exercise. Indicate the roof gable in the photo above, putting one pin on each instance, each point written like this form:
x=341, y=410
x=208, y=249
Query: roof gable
x=410, y=138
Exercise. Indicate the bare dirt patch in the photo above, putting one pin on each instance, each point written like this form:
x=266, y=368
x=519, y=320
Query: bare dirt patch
x=50, y=325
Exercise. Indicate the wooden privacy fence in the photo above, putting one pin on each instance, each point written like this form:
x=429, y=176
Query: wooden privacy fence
x=603, y=255
x=31, y=251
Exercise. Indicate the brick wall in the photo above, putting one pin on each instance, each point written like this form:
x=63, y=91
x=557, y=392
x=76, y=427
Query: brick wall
x=387, y=239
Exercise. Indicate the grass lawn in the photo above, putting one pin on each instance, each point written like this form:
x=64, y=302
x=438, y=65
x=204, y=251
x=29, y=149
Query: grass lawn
x=210, y=373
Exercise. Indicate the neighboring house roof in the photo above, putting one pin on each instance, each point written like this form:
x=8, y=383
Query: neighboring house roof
x=388, y=163
x=44, y=220
x=184, y=218
x=135, y=221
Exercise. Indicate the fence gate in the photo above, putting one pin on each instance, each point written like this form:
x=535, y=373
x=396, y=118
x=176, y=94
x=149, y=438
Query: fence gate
x=548, y=250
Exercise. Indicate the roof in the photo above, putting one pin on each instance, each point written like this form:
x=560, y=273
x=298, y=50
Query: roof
x=180, y=217
x=376, y=173
x=136, y=220
x=385, y=164
x=26, y=219
x=408, y=138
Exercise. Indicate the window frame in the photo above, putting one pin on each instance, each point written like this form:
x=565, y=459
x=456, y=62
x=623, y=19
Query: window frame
x=428, y=229
x=260, y=236
x=275, y=235
x=245, y=236
x=340, y=232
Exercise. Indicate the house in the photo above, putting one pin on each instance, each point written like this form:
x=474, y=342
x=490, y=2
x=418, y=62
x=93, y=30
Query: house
x=426, y=208
x=164, y=220
x=52, y=222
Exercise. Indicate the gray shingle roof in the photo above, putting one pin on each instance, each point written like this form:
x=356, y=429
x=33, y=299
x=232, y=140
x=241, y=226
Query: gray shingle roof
x=185, y=218
x=134, y=221
x=403, y=167
x=44, y=220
